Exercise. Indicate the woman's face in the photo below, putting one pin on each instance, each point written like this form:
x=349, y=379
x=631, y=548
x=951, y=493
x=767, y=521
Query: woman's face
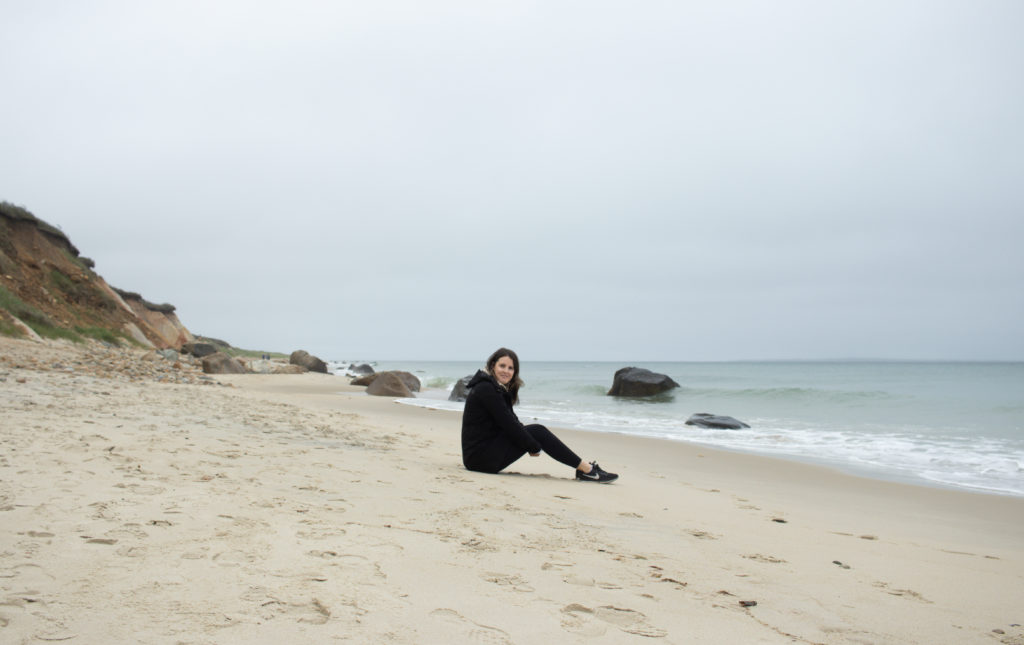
x=504, y=370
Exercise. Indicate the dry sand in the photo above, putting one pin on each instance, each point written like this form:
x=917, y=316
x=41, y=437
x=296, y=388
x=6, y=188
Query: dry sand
x=294, y=509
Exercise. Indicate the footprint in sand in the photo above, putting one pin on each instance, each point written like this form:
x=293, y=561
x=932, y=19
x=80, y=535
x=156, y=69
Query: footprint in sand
x=355, y=565
x=313, y=612
x=578, y=580
x=585, y=621
x=233, y=558
x=764, y=558
x=103, y=511
x=585, y=581
x=745, y=504
x=906, y=593
x=474, y=632
x=128, y=530
x=319, y=533
x=518, y=583
x=656, y=572
x=28, y=575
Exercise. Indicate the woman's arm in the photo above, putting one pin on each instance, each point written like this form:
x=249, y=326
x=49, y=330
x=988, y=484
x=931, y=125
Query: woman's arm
x=505, y=419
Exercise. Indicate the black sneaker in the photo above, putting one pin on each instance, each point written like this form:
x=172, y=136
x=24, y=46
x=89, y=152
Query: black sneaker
x=596, y=475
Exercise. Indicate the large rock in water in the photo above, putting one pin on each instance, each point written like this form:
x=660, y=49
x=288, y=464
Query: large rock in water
x=705, y=420
x=221, y=363
x=307, y=360
x=388, y=384
x=461, y=389
x=637, y=381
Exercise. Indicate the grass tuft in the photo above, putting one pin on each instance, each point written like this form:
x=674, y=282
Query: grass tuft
x=101, y=333
x=39, y=322
x=8, y=328
x=52, y=332
x=19, y=309
x=62, y=282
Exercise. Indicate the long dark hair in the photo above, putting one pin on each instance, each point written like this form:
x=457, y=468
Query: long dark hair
x=516, y=382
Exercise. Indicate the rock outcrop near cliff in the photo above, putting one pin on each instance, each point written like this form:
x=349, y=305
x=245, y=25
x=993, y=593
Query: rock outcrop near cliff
x=47, y=287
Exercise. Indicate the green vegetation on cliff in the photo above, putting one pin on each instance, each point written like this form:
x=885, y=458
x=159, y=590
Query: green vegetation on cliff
x=8, y=329
x=43, y=325
x=25, y=312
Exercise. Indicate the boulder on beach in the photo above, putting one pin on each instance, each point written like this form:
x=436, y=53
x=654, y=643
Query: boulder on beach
x=461, y=389
x=364, y=380
x=198, y=350
x=411, y=382
x=362, y=370
x=221, y=363
x=307, y=360
x=388, y=384
x=266, y=366
x=637, y=381
x=705, y=420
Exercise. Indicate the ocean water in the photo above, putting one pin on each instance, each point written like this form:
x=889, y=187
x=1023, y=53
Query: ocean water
x=956, y=425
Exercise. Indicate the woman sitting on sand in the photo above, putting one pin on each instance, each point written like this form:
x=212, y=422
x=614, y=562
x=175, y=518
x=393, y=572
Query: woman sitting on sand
x=493, y=437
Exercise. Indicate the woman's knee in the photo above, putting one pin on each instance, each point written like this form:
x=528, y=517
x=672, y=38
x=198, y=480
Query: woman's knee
x=537, y=431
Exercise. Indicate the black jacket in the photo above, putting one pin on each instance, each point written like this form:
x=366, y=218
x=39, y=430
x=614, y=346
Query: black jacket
x=489, y=425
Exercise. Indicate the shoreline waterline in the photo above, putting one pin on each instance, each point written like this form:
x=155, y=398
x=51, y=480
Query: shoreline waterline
x=863, y=471
x=947, y=425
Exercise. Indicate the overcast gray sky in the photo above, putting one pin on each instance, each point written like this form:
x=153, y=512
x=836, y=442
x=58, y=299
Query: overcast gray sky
x=576, y=180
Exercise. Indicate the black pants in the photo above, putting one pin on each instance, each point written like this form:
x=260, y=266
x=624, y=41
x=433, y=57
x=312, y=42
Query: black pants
x=504, y=452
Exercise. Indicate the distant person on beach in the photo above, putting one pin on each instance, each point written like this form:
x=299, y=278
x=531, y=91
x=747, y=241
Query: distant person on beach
x=493, y=437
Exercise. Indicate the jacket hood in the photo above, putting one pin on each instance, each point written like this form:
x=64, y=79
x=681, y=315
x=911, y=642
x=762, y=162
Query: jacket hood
x=480, y=377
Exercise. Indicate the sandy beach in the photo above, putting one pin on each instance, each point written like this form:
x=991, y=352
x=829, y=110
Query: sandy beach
x=296, y=509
